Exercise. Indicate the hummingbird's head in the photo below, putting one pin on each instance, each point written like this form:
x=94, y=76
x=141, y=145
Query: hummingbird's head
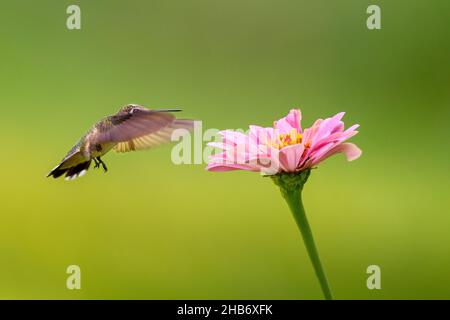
x=129, y=107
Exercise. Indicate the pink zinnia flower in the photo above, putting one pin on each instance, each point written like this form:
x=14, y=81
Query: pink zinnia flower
x=287, y=153
x=286, y=147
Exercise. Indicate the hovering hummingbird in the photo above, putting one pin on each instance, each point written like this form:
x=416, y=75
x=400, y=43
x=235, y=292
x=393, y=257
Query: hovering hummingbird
x=132, y=128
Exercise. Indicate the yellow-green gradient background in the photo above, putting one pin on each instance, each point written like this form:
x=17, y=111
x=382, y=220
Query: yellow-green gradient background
x=151, y=230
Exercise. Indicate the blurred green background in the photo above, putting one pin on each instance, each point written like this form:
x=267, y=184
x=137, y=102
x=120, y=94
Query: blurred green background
x=149, y=229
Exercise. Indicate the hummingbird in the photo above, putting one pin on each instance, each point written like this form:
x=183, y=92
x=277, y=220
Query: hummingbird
x=132, y=128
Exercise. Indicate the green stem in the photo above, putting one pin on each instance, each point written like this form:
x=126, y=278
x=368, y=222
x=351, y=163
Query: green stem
x=291, y=188
x=294, y=200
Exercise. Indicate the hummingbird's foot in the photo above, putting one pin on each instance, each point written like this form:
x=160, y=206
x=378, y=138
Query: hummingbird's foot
x=97, y=164
x=100, y=161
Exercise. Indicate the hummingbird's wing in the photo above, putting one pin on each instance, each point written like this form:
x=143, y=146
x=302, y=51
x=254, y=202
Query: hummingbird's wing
x=156, y=138
x=135, y=127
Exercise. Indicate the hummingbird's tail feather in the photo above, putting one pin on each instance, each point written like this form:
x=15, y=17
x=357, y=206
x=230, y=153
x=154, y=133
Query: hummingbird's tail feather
x=71, y=173
x=57, y=172
x=78, y=171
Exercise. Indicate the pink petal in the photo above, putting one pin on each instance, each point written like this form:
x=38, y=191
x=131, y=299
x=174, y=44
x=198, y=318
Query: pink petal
x=220, y=145
x=290, y=157
x=233, y=137
x=350, y=150
x=322, y=146
x=266, y=164
x=291, y=121
x=217, y=167
x=328, y=126
x=260, y=135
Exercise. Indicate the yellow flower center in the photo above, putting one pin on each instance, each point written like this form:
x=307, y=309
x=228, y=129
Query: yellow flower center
x=287, y=139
